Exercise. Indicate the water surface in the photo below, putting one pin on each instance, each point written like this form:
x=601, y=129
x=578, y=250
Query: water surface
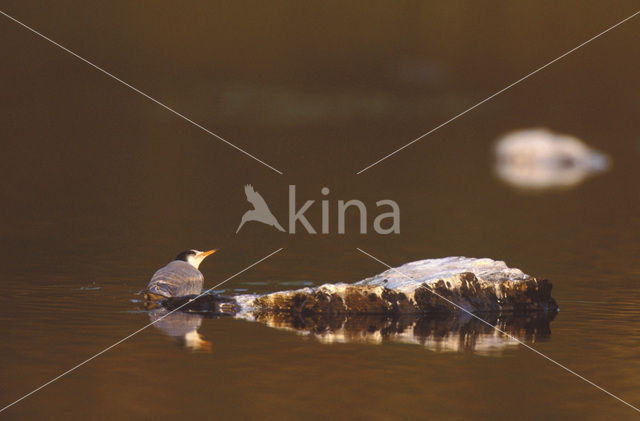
x=100, y=187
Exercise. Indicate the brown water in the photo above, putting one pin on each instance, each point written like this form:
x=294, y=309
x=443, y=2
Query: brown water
x=100, y=187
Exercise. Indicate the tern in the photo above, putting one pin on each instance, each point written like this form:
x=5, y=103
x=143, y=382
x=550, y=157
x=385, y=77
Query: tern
x=260, y=211
x=179, y=277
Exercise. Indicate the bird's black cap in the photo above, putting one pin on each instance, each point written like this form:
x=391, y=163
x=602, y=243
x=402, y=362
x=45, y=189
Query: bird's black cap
x=185, y=254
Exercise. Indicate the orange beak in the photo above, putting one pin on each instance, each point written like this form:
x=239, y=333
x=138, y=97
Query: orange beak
x=207, y=253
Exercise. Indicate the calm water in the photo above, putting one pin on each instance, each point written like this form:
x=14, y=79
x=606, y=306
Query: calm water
x=100, y=187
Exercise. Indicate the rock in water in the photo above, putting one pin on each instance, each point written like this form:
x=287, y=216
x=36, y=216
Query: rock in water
x=476, y=285
x=398, y=305
x=541, y=159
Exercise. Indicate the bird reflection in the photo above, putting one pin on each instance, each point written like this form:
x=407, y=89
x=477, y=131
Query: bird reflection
x=182, y=326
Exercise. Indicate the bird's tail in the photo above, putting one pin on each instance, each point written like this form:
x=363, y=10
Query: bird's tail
x=277, y=225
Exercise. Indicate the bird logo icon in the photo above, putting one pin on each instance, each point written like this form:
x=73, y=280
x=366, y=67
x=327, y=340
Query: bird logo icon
x=260, y=211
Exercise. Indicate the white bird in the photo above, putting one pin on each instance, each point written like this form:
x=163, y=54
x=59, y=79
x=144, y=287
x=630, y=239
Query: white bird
x=542, y=159
x=179, y=277
x=260, y=211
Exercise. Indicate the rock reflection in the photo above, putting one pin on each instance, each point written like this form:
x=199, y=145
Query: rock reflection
x=182, y=326
x=440, y=333
x=447, y=332
x=541, y=159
